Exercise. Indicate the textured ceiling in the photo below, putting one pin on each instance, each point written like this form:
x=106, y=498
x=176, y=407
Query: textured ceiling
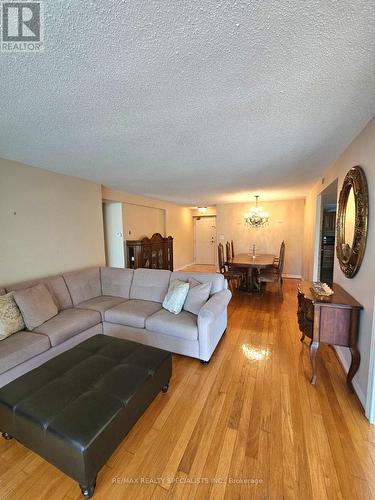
x=192, y=101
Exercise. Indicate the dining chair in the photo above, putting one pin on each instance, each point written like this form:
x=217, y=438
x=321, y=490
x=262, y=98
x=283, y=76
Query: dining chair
x=228, y=251
x=276, y=273
x=231, y=276
x=242, y=273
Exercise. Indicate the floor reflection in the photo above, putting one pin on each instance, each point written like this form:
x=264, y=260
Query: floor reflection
x=255, y=353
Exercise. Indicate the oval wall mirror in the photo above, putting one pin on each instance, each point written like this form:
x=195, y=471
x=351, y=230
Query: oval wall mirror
x=352, y=221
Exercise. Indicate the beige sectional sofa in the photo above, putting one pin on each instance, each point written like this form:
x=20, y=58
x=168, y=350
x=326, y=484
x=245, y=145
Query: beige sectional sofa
x=118, y=302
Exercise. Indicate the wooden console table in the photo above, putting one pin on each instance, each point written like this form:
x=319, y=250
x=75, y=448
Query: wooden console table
x=332, y=321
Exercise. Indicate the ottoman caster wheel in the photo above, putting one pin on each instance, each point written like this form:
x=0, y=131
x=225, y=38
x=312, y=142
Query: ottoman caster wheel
x=7, y=436
x=88, y=491
x=165, y=388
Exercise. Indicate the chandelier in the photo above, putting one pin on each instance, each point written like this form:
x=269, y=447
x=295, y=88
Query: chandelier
x=256, y=217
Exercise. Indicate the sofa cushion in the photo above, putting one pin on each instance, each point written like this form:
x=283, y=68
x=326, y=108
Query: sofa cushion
x=20, y=347
x=183, y=325
x=176, y=296
x=2, y=291
x=67, y=324
x=217, y=280
x=55, y=284
x=101, y=304
x=197, y=296
x=36, y=305
x=11, y=320
x=83, y=285
x=116, y=282
x=150, y=284
x=132, y=313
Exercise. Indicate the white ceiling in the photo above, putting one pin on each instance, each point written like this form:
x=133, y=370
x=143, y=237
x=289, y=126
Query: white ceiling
x=192, y=101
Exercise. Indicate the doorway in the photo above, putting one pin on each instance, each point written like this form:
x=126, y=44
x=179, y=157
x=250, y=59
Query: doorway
x=205, y=240
x=113, y=234
x=327, y=233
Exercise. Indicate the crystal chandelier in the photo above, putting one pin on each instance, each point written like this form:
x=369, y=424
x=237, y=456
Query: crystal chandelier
x=256, y=217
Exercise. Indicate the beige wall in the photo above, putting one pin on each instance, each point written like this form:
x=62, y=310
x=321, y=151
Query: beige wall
x=49, y=223
x=286, y=223
x=178, y=223
x=140, y=221
x=362, y=286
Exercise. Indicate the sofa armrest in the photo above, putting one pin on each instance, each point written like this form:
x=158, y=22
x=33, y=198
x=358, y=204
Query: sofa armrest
x=212, y=323
x=214, y=307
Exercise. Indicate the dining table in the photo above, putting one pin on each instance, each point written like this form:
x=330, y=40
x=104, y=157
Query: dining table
x=251, y=265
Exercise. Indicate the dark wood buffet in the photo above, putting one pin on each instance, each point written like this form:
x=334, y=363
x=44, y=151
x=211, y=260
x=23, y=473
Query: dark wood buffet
x=330, y=320
x=152, y=253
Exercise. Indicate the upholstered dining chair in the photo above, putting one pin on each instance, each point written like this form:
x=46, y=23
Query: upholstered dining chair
x=242, y=273
x=232, y=276
x=276, y=273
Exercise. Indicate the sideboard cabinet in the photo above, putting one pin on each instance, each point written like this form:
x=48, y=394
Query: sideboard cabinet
x=152, y=253
x=332, y=320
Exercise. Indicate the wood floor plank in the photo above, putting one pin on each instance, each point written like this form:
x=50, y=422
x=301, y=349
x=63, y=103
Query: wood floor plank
x=248, y=425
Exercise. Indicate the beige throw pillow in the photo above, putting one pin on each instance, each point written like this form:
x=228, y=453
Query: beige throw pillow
x=36, y=305
x=11, y=320
x=197, y=296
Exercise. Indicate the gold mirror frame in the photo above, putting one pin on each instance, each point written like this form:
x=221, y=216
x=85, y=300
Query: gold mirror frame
x=350, y=258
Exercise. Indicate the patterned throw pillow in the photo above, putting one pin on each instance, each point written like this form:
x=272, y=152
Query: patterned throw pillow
x=11, y=320
x=176, y=295
x=198, y=295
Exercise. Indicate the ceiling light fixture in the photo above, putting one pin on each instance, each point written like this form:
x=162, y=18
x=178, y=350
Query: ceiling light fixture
x=202, y=210
x=256, y=217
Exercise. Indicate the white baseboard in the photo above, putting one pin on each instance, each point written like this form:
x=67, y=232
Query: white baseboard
x=294, y=276
x=345, y=362
x=184, y=267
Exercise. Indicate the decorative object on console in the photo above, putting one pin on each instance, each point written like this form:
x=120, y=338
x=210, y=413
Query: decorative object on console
x=321, y=290
x=256, y=217
x=151, y=253
x=352, y=222
x=331, y=321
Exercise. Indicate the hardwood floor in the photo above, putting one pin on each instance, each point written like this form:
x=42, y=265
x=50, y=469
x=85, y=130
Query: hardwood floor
x=248, y=425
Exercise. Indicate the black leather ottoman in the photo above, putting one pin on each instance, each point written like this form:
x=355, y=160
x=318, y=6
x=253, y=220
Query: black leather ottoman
x=75, y=409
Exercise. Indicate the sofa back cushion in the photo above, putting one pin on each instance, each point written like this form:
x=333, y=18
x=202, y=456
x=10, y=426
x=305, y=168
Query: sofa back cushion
x=197, y=296
x=83, y=285
x=36, y=305
x=217, y=280
x=116, y=282
x=150, y=284
x=56, y=286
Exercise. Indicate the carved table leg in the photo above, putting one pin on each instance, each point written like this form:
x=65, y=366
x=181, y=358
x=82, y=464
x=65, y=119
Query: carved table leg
x=354, y=365
x=314, y=346
x=249, y=284
x=302, y=337
x=256, y=279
